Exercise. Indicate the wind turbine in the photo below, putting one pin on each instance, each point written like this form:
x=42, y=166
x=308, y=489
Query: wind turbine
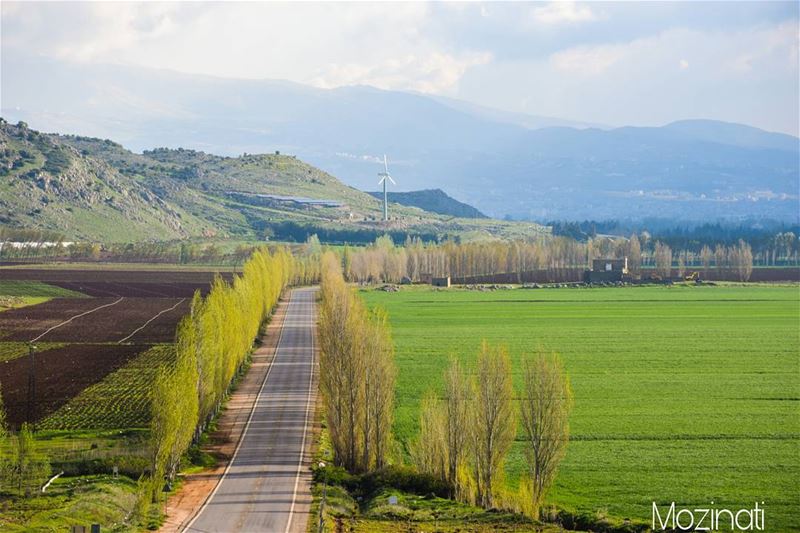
x=384, y=178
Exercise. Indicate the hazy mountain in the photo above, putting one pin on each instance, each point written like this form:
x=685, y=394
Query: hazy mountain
x=519, y=119
x=501, y=164
x=433, y=200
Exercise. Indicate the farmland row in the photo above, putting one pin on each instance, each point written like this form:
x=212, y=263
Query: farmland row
x=95, y=320
x=61, y=373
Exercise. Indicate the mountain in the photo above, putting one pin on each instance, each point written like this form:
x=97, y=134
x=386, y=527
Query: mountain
x=92, y=189
x=502, y=164
x=525, y=120
x=433, y=200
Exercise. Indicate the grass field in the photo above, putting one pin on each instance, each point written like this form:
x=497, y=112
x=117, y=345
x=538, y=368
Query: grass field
x=14, y=293
x=686, y=394
x=35, y=289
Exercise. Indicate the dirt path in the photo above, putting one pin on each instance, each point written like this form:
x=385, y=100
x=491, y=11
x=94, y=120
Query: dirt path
x=183, y=505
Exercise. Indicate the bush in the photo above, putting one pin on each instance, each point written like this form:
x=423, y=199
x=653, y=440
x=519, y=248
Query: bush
x=130, y=466
x=586, y=521
x=401, y=478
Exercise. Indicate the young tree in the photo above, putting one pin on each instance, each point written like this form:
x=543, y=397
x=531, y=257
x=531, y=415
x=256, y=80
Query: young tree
x=456, y=410
x=493, y=422
x=4, y=462
x=663, y=257
x=743, y=260
x=429, y=452
x=634, y=256
x=29, y=468
x=379, y=381
x=706, y=256
x=544, y=408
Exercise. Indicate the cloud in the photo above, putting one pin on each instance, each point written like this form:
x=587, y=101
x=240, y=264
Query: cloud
x=588, y=60
x=747, y=75
x=432, y=73
x=563, y=13
x=536, y=58
x=327, y=44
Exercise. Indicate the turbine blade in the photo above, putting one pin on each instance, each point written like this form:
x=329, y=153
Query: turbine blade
x=390, y=179
x=385, y=164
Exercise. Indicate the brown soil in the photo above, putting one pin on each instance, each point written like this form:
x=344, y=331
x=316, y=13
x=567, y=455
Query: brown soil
x=113, y=276
x=109, y=324
x=61, y=373
x=145, y=290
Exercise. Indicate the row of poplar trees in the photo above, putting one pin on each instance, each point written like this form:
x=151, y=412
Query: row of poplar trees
x=212, y=345
x=467, y=432
x=357, y=373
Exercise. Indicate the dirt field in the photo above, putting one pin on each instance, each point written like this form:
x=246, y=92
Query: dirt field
x=199, y=278
x=149, y=320
x=61, y=373
x=144, y=290
x=126, y=313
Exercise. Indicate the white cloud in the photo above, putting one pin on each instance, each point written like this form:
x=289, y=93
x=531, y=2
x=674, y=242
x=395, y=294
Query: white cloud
x=536, y=58
x=747, y=75
x=563, y=13
x=588, y=60
x=432, y=73
x=326, y=44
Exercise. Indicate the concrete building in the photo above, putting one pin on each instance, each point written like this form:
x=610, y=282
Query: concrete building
x=607, y=270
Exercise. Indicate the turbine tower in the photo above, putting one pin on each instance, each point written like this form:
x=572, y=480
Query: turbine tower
x=384, y=178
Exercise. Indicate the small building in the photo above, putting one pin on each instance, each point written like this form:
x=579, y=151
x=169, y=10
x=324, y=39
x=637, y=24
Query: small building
x=441, y=282
x=607, y=270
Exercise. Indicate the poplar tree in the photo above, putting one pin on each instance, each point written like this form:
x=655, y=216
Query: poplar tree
x=544, y=409
x=456, y=408
x=493, y=422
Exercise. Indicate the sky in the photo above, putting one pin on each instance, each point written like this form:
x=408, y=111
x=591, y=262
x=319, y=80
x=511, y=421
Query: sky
x=623, y=63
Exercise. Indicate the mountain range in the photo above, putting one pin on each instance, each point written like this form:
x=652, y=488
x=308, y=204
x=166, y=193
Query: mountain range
x=504, y=164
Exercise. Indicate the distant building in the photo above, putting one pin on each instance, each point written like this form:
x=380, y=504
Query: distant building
x=441, y=282
x=607, y=270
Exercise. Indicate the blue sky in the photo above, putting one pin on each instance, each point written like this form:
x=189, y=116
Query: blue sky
x=624, y=63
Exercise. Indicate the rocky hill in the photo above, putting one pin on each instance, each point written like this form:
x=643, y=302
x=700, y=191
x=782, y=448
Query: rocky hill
x=94, y=189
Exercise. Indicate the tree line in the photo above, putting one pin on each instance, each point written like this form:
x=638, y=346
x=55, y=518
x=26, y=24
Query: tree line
x=467, y=431
x=213, y=343
x=32, y=245
x=773, y=243
x=560, y=258
x=357, y=373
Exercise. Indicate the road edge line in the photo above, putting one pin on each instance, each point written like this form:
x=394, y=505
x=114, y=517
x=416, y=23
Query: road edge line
x=246, y=426
x=308, y=408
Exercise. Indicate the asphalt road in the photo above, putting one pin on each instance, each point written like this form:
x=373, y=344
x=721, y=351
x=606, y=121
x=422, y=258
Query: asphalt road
x=259, y=490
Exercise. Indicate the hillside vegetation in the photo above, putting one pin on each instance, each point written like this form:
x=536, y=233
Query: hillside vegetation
x=92, y=189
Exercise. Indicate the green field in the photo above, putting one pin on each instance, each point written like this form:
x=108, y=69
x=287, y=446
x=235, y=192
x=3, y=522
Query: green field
x=15, y=293
x=686, y=394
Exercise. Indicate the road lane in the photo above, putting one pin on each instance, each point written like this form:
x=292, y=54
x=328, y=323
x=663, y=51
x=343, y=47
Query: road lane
x=259, y=491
